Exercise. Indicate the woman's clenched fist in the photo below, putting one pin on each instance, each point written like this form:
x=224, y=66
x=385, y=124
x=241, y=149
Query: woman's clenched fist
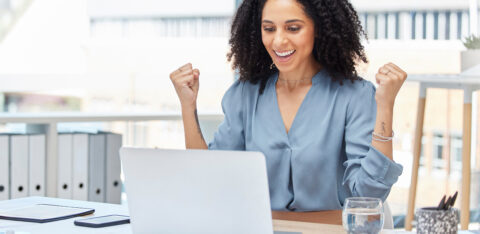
x=390, y=79
x=186, y=83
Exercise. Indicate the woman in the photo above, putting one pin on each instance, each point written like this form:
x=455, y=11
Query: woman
x=326, y=133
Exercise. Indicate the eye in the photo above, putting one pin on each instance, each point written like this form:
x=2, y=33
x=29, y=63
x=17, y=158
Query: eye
x=293, y=28
x=269, y=29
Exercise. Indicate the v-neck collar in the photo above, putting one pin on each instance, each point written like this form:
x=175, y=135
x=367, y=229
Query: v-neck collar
x=315, y=80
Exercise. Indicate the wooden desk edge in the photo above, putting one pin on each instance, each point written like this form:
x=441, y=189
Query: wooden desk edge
x=324, y=217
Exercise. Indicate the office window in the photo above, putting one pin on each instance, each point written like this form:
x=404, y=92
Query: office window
x=386, y=26
x=397, y=25
x=447, y=25
x=424, y=25
x=161, y=27
x=413, y=15
x=459, y=25
x=422, y=151
x=456, y=152
x=438, y=145
x=364, y=21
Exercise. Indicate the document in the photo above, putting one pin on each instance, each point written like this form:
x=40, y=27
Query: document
x=65, y=155
x=19, y=166
x=4, y=167
x=113, y=183
x=37, y=165
x=80, y=166
x=96, y=168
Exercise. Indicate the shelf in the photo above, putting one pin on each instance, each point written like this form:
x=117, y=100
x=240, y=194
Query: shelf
x=47, y=123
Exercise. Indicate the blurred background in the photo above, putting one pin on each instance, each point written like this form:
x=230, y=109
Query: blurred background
x=115, y=56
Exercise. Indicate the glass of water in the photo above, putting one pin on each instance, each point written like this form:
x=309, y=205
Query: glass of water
x=363, y=215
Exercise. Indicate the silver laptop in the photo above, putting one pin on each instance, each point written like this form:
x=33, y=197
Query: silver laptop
x=196, y=191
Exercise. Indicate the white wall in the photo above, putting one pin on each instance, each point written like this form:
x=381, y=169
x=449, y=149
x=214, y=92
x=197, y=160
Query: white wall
x=47, y=39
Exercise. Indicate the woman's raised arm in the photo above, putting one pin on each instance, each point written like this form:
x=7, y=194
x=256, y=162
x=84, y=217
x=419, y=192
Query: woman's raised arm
x=389, y=79
x=186, y=82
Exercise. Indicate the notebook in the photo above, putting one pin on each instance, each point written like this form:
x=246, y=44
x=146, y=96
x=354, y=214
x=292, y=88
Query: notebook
x=43, y=213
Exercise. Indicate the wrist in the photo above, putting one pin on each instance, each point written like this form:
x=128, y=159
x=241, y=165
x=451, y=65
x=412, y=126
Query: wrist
x=186, y=108
x=385, y=107
x=384, y=102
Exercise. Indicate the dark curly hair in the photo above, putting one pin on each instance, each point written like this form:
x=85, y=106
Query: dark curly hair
x=337, y=45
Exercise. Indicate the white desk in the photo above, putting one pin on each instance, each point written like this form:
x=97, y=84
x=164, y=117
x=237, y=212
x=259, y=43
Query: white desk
x=67, y=226
x=63, y=226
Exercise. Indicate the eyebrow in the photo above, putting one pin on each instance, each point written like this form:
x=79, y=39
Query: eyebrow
x=288, y=21
x=293, y=21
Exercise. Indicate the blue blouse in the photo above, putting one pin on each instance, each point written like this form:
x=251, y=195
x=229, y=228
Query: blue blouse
x=327, y=154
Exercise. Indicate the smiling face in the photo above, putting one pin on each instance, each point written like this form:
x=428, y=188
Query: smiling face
x=288, y=34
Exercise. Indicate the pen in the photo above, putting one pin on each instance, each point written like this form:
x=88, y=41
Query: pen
x=447, y=203
x=442, y=203
x=453, y=199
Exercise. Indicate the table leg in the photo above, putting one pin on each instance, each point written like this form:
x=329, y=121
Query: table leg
x=466, y=155
x=416, y=158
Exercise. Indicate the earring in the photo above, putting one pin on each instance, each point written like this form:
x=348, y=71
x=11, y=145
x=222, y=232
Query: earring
x=272, y=65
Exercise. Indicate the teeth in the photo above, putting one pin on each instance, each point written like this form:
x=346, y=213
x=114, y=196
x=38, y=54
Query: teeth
x=286, y=53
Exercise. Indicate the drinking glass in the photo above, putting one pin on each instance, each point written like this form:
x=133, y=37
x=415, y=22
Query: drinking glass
x=363, y=215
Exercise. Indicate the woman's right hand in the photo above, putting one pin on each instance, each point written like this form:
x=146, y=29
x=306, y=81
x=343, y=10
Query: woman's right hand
x=186, y=83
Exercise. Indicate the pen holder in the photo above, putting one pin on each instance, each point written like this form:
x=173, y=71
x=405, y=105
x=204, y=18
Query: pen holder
x=430, y=220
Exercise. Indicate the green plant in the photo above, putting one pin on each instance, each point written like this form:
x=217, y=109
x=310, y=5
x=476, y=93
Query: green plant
x=472, y=42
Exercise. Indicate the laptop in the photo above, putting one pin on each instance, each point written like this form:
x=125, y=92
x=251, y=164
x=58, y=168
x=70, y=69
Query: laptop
x=196, y=191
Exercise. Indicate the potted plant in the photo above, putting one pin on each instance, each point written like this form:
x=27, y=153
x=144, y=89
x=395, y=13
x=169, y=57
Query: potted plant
x=471, y=56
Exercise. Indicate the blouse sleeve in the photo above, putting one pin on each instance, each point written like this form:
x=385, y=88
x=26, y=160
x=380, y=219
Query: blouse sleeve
x=230, y=133
x=369, y=173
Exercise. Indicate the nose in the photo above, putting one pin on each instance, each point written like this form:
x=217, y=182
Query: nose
x=280, y=39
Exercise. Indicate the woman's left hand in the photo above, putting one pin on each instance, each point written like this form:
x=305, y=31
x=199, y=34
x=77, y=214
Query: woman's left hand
x=390, y=79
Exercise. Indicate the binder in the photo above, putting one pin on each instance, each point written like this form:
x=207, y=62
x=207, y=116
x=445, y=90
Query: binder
x=19, y=166
x=37, y=165
x=96, y=168
x=80, y=166
x=65, y=155
x=4, y=167
x=112, y=167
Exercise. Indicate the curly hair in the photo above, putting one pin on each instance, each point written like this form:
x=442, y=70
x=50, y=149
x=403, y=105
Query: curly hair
x=337, y=44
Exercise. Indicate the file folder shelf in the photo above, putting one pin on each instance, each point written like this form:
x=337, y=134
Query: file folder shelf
x=48, y=122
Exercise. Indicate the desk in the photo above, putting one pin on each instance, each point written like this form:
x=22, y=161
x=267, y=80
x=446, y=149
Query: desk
x=66, y=226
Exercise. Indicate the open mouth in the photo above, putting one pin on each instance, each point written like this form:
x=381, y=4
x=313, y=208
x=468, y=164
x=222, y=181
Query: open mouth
x=284, y=53
x=284, y=56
